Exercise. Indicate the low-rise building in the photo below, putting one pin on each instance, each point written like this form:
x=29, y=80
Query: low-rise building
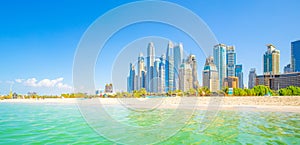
x=279, y=81
x=108, y=88
x=231, y=82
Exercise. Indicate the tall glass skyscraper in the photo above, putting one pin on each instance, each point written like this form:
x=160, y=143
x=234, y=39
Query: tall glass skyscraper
x=219, y=54
x=150, y=66
x=131, y=78
x=161, y=75
x=141, y=72
x=252, y=78
x=295, y=58
x=271, y=60
x=170, y=68
x=239, y=74
x=231, y=61
x=178, y=57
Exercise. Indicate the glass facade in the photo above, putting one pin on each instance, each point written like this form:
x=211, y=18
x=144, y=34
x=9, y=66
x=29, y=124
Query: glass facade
x=295, y=51
x=219, y=55
x=239, y=74
x=231, y=61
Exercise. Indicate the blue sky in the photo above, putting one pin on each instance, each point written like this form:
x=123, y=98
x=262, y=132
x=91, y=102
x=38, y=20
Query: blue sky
x=38, y=39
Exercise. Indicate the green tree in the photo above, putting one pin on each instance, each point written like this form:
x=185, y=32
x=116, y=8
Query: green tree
x=225, y=90
x=262, y=90
x=191, y=92
x=289, y=91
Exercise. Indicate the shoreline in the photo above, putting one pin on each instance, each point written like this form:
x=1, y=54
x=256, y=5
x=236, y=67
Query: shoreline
x=235, y=103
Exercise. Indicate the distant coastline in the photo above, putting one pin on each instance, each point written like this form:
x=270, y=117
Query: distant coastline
x=273, y=104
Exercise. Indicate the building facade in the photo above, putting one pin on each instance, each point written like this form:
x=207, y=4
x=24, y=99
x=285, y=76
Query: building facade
x=230, y=61
x=161, y=75
x=239, y=74
x=178, y=59
x=191, y=60
x=170, y=68
x=295, y=56
x=271, y=60
x=150, y=66
x=219, y=55
x=276, y=82
x=131, y=78
x=252, y=78
x=185, y=75
x=210, y=78
x=231, y=82
x=287, y=69
x=141, y=72
x=108, y=88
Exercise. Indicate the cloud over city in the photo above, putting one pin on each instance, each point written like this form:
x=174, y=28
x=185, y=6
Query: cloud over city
x=47, y=83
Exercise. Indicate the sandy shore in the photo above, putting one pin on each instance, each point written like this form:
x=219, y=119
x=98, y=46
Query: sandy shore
x=276, y=103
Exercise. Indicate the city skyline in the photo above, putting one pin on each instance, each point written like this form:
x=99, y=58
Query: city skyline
x=176, y=71
x=38, y=42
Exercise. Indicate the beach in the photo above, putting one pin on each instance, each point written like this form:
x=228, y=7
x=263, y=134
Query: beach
x=257, y=103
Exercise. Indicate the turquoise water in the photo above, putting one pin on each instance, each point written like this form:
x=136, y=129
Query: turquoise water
x=22, y=123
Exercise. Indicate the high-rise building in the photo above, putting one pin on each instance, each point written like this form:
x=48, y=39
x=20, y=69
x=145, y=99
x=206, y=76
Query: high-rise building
x=150, y=66
x=170, y=68
x=191, y=60
x=287, y=69
x=219, y=55
x=271, y=60
x=239, y=74
x=178, y=58
x=135, y=85
x=295, y=56
x=131, y=78
x=186, y=79
x=230, y=60
x=161, y=75
x=141, y=72
x=252, y=78
x=210, y=77
x=156, y=78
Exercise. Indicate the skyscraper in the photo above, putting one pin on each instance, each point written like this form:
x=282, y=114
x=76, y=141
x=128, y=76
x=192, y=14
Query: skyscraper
x=210, y=77
x=230, y=60
x=295, y=58
x=161, y=74
x=170, y=68
x=141, y=72
x=191, y=60
x=178, y=57
x=150, y=66
x=131, y=78
x=186, y=79
x=239, y=74
x=155, y=78
x=271, y=60
x=219, y=54
x=252, y=78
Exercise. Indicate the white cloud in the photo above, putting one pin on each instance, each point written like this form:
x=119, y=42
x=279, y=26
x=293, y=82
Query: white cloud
x=64, y=86
x=48, y=83
x=32, y=82
x=19, y=80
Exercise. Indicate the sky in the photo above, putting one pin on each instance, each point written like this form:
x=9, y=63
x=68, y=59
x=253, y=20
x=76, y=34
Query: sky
x=39, y=39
